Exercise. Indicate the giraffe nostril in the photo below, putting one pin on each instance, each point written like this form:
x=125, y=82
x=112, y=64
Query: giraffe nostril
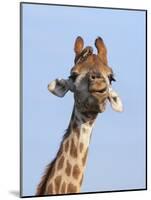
x=96, y=75
x=93, y=77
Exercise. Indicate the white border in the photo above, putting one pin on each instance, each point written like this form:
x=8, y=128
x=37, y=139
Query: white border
x=9, y=99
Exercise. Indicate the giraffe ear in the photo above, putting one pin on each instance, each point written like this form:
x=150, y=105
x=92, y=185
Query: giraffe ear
x=78, y=46
x=101, y=48
x=115, y=101
x=59, y=87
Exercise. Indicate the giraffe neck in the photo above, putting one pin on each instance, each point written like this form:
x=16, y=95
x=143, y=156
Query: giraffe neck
x=65, y=173
x=80, y=129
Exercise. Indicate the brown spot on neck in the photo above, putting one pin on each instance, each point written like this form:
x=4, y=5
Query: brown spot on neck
x=73, y=150
x=81, y=147
x=63, y=188
x=66, y=146
x=60, y=163
x=68, y=168
x=76, y=171
x=57, y=184
x=71, y=188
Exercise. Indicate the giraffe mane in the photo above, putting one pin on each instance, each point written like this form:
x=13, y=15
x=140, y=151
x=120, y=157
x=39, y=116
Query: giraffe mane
x=42, y=185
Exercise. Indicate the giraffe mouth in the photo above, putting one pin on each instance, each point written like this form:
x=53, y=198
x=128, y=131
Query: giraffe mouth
x=101, y=91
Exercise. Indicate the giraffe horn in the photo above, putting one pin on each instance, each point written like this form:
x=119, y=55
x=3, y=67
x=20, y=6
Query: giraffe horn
x=101, y=48
x=78, y=46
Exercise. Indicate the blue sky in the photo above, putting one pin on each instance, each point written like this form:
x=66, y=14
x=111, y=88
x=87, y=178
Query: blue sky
x=116, y=157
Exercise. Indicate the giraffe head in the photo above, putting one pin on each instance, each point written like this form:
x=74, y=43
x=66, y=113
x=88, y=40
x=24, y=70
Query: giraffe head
x=90, y=80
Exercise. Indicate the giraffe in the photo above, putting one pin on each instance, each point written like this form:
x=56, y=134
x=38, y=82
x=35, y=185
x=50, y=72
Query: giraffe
x=90, y=81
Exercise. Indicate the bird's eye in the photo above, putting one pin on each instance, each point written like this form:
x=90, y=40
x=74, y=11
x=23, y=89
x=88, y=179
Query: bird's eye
x=73, y=76
x=111, y=78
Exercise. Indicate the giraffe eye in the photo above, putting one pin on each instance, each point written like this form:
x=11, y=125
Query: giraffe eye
x=73, y=76
x=111, y=78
